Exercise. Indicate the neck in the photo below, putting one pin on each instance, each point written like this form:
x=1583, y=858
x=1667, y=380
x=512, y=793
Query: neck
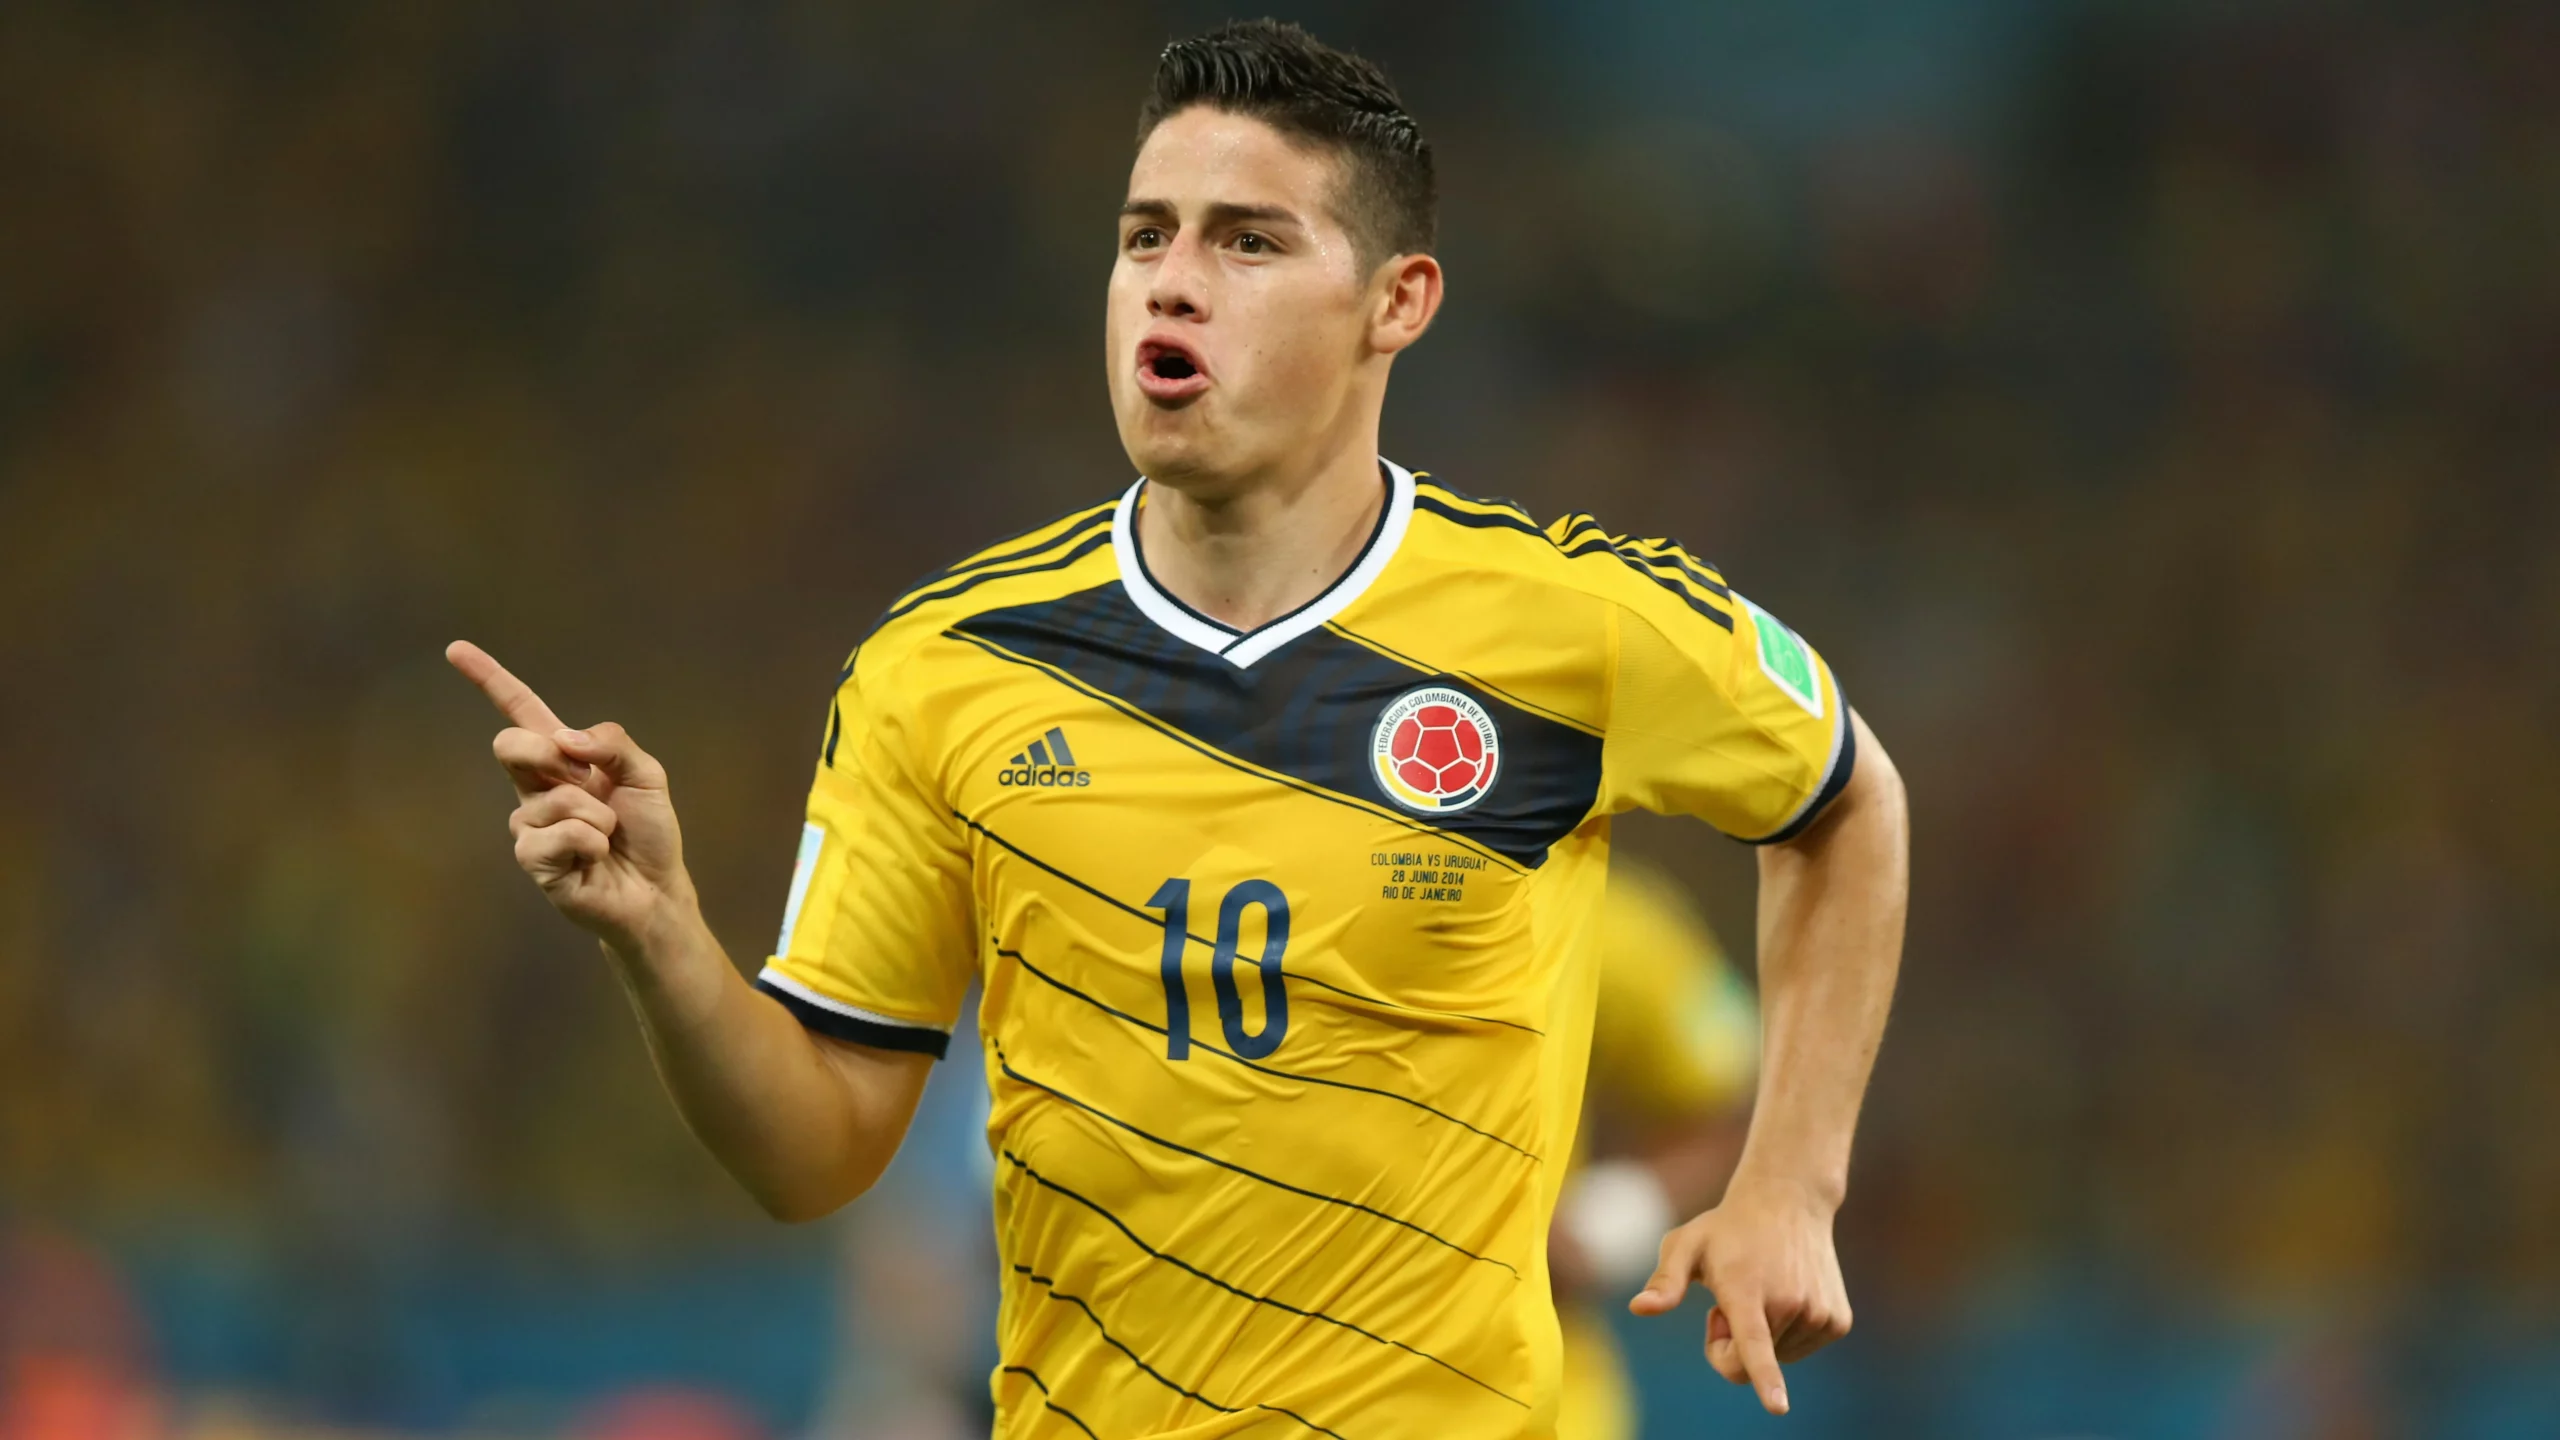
x=1249, y=551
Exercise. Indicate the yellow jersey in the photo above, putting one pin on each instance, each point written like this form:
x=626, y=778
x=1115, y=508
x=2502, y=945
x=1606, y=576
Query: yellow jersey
x=1286, y=937
x=1675, y=1034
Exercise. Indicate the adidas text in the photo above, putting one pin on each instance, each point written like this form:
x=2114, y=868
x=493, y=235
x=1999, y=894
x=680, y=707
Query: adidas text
x=1046, y=764
x=1045, y=777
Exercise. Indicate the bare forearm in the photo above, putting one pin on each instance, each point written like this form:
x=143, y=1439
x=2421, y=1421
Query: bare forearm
x=1831, y=916
x=805, y=1123
x=802, y=1122
x=1693, y=1160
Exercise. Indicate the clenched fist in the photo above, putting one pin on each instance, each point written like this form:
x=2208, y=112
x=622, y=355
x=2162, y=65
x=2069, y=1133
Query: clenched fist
x=593, y=824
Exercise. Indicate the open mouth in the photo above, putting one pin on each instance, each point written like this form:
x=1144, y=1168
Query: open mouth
x=1169, y=372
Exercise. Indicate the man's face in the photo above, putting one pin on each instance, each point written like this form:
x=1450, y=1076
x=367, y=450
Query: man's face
x=1239, y=310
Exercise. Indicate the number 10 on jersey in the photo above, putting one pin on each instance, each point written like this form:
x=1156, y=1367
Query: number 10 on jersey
x=1173, y=897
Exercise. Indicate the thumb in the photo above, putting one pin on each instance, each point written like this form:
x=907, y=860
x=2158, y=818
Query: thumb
x=1670, y=1280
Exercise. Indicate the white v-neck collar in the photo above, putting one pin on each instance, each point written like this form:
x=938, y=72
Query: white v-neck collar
x=1242, y=648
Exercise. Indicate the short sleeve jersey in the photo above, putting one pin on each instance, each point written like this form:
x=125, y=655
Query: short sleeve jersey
x=1286, y=936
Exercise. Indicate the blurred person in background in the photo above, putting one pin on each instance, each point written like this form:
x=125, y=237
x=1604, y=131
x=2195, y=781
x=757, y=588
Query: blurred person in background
x=665, y=1412
x=75, y=1349
x=1456, y=703
x=1675, y=1047
x=916, y=1300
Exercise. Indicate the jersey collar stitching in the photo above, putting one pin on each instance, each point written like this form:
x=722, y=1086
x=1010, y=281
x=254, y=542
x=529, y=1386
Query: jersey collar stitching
x=1243, y=650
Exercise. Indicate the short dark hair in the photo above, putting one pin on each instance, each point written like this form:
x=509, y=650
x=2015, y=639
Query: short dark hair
x=1314, y=94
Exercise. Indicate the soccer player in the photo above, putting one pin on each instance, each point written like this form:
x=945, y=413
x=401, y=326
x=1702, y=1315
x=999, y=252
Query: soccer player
x=1675, y=1044
x=1269, y=802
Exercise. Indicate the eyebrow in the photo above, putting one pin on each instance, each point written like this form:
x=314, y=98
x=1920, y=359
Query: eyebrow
x=1221, y=213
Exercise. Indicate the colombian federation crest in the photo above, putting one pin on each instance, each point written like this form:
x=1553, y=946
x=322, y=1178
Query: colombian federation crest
x=1435, y=750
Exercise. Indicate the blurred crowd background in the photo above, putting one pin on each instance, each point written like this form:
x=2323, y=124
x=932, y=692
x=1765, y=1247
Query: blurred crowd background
x=2149, y=408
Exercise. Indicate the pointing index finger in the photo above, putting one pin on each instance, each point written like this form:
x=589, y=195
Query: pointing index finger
x=1752, y=1346
x=513, y=697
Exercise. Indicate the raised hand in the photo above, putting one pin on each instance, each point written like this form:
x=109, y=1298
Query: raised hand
x=594, y=826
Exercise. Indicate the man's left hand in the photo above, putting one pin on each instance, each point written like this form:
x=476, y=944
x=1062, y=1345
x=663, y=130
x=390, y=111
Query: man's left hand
x=1766, y=1256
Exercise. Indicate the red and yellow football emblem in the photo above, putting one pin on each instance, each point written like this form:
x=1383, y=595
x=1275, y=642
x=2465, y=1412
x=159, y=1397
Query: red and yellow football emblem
x=1435, y=750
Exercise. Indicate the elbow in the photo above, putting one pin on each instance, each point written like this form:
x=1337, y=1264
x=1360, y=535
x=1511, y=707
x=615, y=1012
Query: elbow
x=1877, y=787
x=796, y=1209
x=1890, y=795
x=797, y=1200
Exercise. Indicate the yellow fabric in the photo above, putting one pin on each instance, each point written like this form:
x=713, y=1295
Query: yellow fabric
x=1598, y=1401
x=1329, y=1221
x=1675, y=1033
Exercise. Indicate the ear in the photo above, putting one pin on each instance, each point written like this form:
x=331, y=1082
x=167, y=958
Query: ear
x=1405, y=295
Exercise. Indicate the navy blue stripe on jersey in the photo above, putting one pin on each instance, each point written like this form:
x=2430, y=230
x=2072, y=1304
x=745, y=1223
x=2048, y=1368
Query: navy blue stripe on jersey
x=1054, y=983
x=835, y=707
x=1602, y=546
x=1157, y=921
x=1366, y=807
x=1084, y=516
x=1675, y=563
x=1058, y=746
x=1663, y=555
x=1005, y=1064
x=1176, y=1261
x=1050, y=1285
x=1576, y=527
x=1709, y=577
x=1307, y=711
x=1046, y=1403
x=1452, y=493
x=1583, y=536
x=1096, y=535
x=1477, y=519
x=1832, y=784
x=1473, y=679
x=915, y=1039
x=1094, y=525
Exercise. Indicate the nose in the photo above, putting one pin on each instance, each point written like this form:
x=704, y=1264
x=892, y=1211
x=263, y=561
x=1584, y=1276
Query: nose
x=1179, y=289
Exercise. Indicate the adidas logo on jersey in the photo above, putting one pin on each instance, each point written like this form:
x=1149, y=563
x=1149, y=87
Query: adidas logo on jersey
x=1046, y=764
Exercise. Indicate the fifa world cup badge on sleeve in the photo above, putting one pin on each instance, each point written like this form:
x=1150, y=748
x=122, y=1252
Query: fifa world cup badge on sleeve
x=1784, y=659
x=1435, y=750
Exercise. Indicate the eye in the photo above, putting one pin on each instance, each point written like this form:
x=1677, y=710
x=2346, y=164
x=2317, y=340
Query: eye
x=1145, y=237
x=1253, y=243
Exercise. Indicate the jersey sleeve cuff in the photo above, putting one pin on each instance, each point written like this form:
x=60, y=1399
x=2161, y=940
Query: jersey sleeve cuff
x=1835, y=778
x=839, y=1021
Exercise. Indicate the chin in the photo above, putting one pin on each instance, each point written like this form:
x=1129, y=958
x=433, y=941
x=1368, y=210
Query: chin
x=1163, y=447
